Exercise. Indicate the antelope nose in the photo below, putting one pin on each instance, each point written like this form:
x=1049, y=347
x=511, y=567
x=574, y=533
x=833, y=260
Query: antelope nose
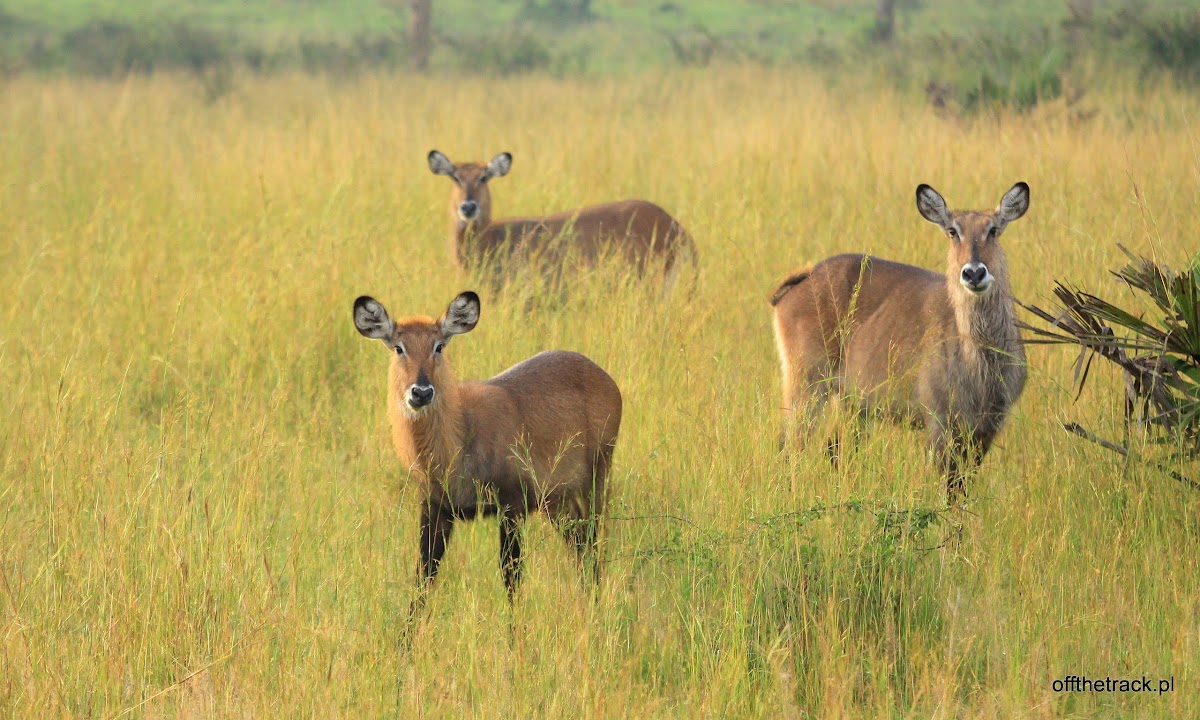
x=468, y=209
x=420, y=395
x=974, y=274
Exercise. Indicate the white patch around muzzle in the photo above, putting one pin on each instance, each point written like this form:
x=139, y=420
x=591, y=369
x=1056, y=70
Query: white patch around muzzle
x=976, y=278
x=468, y=211
x=418, y=398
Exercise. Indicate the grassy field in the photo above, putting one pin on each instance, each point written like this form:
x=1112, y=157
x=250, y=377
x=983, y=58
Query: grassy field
x=201, y=515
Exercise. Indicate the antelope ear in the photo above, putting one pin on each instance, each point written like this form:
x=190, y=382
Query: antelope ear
x=1014, y=203
x=932, y=207
x=499, y=165
x=372, y=319
x=461, y=316
x=439, y=164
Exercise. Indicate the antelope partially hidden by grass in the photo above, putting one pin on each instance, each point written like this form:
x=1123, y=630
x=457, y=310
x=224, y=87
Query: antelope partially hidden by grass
x=538, y=437
x=938, y=350
x=636, y=231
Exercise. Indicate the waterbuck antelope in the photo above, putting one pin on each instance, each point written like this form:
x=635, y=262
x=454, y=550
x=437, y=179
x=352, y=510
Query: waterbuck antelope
x=938, y=350
x=636, y=231
x=537, y=437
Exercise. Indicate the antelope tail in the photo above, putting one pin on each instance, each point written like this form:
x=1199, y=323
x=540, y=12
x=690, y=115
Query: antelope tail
x=792, y=281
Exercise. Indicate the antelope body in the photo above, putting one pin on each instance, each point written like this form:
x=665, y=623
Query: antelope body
x=537, y=437
x=637, y=231
x=937, y=350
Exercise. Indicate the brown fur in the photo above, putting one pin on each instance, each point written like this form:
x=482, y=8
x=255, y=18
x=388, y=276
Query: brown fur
x=637, y=231
x=538, y=437
x=910, y=343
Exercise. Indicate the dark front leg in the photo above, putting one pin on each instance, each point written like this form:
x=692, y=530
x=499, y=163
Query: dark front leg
x=833, y=448
x=846, y=433
x=510, y=551
x=583, y=534
x=955, y=474
x=437, y=524
x=957, y=454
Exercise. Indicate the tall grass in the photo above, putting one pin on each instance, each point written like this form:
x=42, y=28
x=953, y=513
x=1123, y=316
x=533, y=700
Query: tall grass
x=200, y=515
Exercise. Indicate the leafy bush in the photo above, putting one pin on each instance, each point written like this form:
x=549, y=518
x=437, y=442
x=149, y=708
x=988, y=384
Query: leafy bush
x=1016, y=86
x=110, y=48
x=1168, y=39
x=506, y=53
x=557, y=12
x=994, y=71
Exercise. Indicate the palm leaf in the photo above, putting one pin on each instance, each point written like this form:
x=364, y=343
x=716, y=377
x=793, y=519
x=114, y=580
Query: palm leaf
x=1159, y=352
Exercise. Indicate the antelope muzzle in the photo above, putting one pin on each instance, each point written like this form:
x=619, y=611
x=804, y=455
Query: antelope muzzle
x=419, y=396
x=467, y=210
x=976, y=277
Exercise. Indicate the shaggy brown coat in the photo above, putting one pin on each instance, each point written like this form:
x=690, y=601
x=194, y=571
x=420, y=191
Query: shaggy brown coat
x=538, y=437
x=638, y=232
x=937, y=350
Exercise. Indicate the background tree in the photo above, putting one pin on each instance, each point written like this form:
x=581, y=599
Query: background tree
x=419, y=31
x=885, y=20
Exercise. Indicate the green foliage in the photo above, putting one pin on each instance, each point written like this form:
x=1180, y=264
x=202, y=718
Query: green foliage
x=556, y=12
x=108, y=48
x=1005, y=72
x=694, y=47
x=1011, y=55
x=503, y=53
x=1157, y=38
x=1160, y=357
x=361, y=52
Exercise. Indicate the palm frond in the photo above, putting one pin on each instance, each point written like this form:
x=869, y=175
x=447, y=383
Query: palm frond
x=1158, y=351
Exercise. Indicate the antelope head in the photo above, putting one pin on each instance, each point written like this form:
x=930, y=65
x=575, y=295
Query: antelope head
x=470, y=200
x=419, y=364
x=975, y=257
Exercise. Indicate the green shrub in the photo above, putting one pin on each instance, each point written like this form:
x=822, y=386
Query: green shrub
x=997, y=71
x=505, y=52
x=556, y=12
x=1157, y=39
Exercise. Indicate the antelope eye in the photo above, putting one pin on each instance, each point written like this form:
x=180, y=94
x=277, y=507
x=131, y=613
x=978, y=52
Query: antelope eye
x=437, y=348
x=992, y=233
x=952, y=233
x=399, y=349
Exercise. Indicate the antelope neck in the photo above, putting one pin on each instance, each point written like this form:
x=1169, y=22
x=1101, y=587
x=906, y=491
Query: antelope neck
x=431, y=442
x=986, y=324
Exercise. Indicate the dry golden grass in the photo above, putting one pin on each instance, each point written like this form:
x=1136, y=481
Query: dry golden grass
x=200, y=515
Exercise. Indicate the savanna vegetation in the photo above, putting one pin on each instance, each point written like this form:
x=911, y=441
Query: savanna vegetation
x=970, y=56
x=202, y=515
